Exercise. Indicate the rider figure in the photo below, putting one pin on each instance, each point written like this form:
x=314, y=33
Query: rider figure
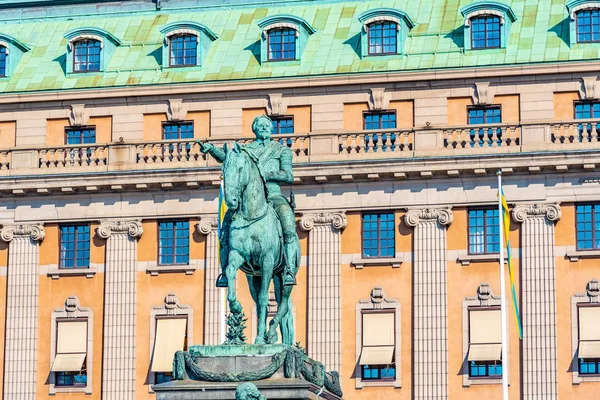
x=275, y=164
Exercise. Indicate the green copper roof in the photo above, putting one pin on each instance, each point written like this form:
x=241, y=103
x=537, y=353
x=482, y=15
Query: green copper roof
x=539, y=34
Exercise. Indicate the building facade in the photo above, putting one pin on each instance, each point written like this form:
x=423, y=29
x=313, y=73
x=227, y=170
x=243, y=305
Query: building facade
x=399, y=115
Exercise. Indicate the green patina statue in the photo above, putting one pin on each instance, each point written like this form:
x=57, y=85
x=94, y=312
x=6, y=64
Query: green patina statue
x=258, y=234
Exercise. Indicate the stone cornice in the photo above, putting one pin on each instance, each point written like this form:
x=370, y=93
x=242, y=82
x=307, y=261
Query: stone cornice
x=207, y=225
x=522, y=212
x=132, y=228
x=34, y=231
x=442, y=215
x=336, y=219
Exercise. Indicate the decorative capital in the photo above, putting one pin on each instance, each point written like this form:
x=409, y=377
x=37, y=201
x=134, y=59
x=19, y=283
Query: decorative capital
x=337, y=219
x=522, y=212
x=133, y=228
x=177, y=111
x=207, y=225
x=35, y=232
x=378, y=299
x=72, y=307
x=442, y=215
x=171, y=305
x=593, y=291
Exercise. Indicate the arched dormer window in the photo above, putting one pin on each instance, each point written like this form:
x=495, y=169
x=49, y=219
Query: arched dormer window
x=487, y=25
x=89, y=49
x=185, y=44
x=284, y=37
x=11, y=51
x=584, y=21
x=384, y=31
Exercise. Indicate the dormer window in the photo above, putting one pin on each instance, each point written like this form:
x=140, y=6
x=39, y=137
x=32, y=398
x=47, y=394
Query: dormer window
x=11, y=51
x=282, y=44
x=383, y=38
x=487, y=25
x=384, y=31
x=184, y=50
x=3, y=57
x=283, y=38
x=185, y=44
x=86, y=55
x=588, y=26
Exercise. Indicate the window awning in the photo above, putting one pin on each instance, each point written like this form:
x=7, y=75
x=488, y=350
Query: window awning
x=71, y=337
x=589, y=323
x=68, y=362
x=589, y=349
x=485, y=352
x=170, y=337
x=377, y=355
x=485, y=327
x=378, y=329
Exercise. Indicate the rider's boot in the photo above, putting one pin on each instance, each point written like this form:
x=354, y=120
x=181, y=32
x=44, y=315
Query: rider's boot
x=222, y=281
x=291, y=253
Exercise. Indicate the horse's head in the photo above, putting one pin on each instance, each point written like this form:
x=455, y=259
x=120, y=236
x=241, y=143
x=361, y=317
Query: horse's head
x=236, y=175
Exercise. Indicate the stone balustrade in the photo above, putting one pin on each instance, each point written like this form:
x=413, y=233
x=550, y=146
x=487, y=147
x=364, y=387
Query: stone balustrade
x=312, y=147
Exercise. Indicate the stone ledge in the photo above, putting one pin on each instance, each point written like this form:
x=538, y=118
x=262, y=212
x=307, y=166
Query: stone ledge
x=57, y=273
x=161, y=269
x=376, y=262
x=467, y=259
x=575, y=255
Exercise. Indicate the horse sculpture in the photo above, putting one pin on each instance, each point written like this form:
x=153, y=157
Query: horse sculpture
x=255, y=245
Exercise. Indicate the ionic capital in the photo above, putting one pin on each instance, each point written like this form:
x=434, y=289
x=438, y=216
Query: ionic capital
x=132, y=228
x=34, y=231
x=207, y=225
x=522, y=212
x=442, y=215
x=337, y=219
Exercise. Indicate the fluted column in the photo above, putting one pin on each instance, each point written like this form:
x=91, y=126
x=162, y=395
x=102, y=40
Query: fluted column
x=324, y=341
x=120, y=291
x=212, y=294
x=20, y=351
x=538, y=291
x=430, y=310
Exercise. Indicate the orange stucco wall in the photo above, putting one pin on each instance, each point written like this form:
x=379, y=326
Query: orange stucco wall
x=152, y=125
x=457, y=109
x=301, y=114
x=353, y=114
x=55, y=135
x=564, y=105
x=8, y=132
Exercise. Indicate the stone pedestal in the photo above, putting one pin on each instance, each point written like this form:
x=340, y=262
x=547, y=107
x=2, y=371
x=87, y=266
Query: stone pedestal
x=278, y=371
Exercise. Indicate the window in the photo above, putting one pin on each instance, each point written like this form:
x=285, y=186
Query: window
x=484, y=231
x=380, y=120
x=485, y=32
x=589, y=340
x=184, y=50
x=3, y=59
x=75, y=246
x=282, y=44
x=588, y=26
x=377, y=356
x=81, y=135
x=69, y=364
x=173, y=246
x=485, y=338
x=283, y=125
x=589, y=366
x=86, y=55
x=179, y=130
x=383, y=38
x=170, y=337
x=379, y=235
x=587, y=110
x=484, y=115
x=485, y=136
x=588, y=226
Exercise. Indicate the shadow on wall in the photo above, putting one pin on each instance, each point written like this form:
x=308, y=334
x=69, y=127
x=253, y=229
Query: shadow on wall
x=354, y=43
x=62, y=61
x=562, y=30
x=254, y=48
x=457, y=36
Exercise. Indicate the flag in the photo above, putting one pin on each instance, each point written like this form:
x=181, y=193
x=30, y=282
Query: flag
x=222, y=209
x=511, y=271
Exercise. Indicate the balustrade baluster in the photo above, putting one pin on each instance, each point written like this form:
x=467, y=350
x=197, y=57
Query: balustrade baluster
x=354, y=146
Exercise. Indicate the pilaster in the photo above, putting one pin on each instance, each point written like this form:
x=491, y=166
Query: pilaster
x=213, y=304
x=538, y=289
x=324, y=341
x=20, y=351
x=120, y=292
x=430, y=313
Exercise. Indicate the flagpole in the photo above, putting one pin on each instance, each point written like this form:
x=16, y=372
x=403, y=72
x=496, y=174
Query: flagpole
x=502, y=292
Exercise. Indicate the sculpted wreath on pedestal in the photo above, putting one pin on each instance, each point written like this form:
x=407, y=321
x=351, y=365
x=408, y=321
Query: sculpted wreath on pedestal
x=258, y=234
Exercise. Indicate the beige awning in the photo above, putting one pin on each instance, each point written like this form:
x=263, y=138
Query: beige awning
x=68, y=362
x=170, y=337
x=485, y=326
x=589, y=323
x=71, y=337
x=485, y=352
x=377, y=355
x=589, y=349
x=378, y=329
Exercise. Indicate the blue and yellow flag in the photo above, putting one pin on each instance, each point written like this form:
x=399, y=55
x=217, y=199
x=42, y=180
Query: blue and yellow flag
x=511, y=271
x=222, y=209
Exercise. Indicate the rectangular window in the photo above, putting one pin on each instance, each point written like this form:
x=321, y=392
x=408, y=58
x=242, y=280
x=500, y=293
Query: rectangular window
x=588, y=351
x=485, y=338
x=86, y=55
x=377, y=358
x=3, y=58
x=383, y=37
x=588, y=26
x=283, y=125
x=587, y=110
x=184, y=50
x=485, y=369
x=484, y=231
x=74, y=246
x=81, y=135
x=485, y=32
x=484, y=115
x=173, y=242
x=281, y=43
x=588, y=226
x=378, y=235
x=178, y=130
x=379, y=120
x=69, y=364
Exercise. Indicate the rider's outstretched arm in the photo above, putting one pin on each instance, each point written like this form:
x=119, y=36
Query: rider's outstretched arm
x=216, y=152
x=285, y=174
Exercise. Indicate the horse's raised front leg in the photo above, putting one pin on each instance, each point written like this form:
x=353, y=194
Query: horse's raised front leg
x=235, y=262
x=263, y=299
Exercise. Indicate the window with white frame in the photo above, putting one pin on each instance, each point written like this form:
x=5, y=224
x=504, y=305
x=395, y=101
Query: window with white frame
x=585, y=324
